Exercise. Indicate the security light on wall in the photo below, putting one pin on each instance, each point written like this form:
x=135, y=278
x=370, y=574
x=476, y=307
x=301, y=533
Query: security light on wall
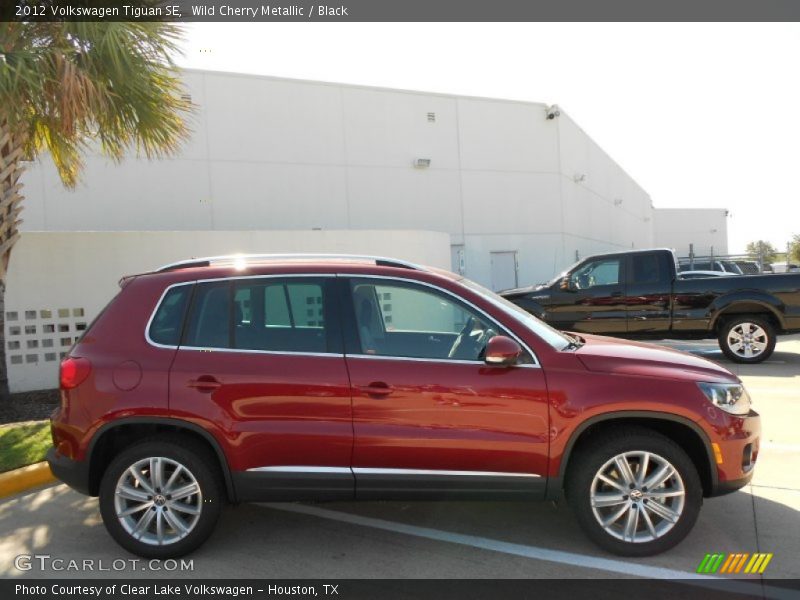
x=422, y=163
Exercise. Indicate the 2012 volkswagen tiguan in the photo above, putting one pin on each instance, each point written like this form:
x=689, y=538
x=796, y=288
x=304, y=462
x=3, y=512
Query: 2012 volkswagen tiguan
x=285, y=378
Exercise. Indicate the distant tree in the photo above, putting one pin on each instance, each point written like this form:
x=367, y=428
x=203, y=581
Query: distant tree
x=69, y=87
x=762, y=250
x=794, y=248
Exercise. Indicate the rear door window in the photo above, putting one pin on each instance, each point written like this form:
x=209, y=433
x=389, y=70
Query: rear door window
x=649, y=269
x=280, y=315
x=267, y=314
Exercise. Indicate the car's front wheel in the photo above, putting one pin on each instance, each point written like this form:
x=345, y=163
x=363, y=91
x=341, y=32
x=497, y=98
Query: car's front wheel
x=159, y=499
x=634, y=493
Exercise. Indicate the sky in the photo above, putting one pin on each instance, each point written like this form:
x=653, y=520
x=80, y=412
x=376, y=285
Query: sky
x=700, y=115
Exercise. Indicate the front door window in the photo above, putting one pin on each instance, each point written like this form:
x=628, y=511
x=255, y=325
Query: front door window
x=596, y=273
x=400, y=320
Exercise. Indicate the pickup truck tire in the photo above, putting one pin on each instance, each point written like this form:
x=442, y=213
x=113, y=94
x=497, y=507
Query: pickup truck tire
x=634, y=491
x=161, y=499
x=747, y=338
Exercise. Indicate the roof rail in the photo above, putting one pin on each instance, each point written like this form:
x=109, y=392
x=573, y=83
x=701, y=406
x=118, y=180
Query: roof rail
x=234, y=258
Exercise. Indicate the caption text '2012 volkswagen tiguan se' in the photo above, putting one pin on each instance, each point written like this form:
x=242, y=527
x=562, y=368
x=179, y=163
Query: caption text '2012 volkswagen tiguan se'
x=287, y=378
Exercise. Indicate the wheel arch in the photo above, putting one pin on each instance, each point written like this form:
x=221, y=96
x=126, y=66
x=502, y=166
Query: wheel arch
x=683, y=431
x=762, y=304
x=111, y=437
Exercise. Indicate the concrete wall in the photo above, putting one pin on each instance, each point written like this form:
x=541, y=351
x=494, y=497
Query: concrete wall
x=706, y=228
x=269, y=153
x=59, y=281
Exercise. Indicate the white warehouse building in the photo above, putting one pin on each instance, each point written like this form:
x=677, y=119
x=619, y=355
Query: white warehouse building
x=506, y=192
x=701, y=231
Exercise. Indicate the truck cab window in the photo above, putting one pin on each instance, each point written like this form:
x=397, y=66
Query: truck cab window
x=649, y=268
x=595, y=273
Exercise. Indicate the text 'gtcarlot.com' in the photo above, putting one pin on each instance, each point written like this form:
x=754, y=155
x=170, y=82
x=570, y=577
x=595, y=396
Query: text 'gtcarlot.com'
x=46, y=562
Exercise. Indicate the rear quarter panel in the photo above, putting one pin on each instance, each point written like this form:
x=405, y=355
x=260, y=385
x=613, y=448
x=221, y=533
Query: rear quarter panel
x=129, y=376
x=698, y=303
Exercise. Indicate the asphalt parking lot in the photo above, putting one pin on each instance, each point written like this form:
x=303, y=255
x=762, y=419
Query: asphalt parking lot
x=447, y=539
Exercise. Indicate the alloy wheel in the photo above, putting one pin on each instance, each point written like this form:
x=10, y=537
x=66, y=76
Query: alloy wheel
x=637, y=496
x=158, y=501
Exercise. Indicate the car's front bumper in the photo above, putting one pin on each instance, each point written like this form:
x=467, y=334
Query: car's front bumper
x=737, y=441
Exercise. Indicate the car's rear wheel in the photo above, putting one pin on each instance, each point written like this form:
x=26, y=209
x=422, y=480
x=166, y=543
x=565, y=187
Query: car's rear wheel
x=159, y=499
x=635, y=493
x=747, y=339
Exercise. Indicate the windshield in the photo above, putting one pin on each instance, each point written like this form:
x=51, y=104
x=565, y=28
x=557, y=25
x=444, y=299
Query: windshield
x=553, y=337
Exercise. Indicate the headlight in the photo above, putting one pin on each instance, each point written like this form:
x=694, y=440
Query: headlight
x=730, y=397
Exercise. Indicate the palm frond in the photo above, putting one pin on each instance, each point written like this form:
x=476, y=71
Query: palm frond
x=64, y=85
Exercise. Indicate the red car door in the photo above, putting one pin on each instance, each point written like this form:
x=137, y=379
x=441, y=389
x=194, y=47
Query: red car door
x=429, y=416
x=261, y=366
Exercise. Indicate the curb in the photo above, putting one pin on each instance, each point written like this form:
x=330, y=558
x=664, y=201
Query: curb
x=25, y=478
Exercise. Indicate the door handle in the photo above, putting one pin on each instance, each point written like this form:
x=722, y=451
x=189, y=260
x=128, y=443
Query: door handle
x=204, y=383
x=616, y=294
x=377, y=389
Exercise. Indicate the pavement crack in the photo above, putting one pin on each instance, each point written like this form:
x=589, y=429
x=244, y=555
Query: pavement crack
x=775, y=487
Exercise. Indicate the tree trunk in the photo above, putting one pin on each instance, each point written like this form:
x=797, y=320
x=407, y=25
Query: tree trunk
x=11, y=169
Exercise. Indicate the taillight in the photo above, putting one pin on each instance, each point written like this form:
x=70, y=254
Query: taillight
x=74, y=371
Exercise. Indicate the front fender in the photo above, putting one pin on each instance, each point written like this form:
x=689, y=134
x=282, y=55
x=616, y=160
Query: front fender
x=533, y=307
x=557, y=475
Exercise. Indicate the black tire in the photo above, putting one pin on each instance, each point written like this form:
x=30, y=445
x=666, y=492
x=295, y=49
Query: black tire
x=192, y=456
x=728, y=328
x=599, y=450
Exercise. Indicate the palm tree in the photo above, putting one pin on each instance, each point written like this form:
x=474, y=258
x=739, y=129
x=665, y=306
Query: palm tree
x=66, y=88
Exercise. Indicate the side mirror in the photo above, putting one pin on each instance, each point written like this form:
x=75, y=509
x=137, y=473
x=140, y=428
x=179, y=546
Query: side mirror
x=564, y=284
x=502, y=350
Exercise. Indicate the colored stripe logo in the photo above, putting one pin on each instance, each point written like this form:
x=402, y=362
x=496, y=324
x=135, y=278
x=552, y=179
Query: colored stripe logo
x=733, y=563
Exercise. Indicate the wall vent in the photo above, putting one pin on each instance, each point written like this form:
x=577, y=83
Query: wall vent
x=29, y=336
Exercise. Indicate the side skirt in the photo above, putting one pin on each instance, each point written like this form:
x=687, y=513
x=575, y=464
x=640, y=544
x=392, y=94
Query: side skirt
x=293, y=483
x=288, y=484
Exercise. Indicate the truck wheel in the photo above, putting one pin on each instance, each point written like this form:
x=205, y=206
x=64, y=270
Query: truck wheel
x=160, y=499
x=747, y=339
x=634, y=493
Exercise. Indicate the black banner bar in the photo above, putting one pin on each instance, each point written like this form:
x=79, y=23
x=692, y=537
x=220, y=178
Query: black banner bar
x=401, y=10
x=400, y=589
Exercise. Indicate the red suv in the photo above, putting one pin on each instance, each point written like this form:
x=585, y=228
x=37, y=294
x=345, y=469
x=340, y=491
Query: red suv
x=282, y=378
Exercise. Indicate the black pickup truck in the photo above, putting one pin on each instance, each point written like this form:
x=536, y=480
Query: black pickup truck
x=640, y=294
